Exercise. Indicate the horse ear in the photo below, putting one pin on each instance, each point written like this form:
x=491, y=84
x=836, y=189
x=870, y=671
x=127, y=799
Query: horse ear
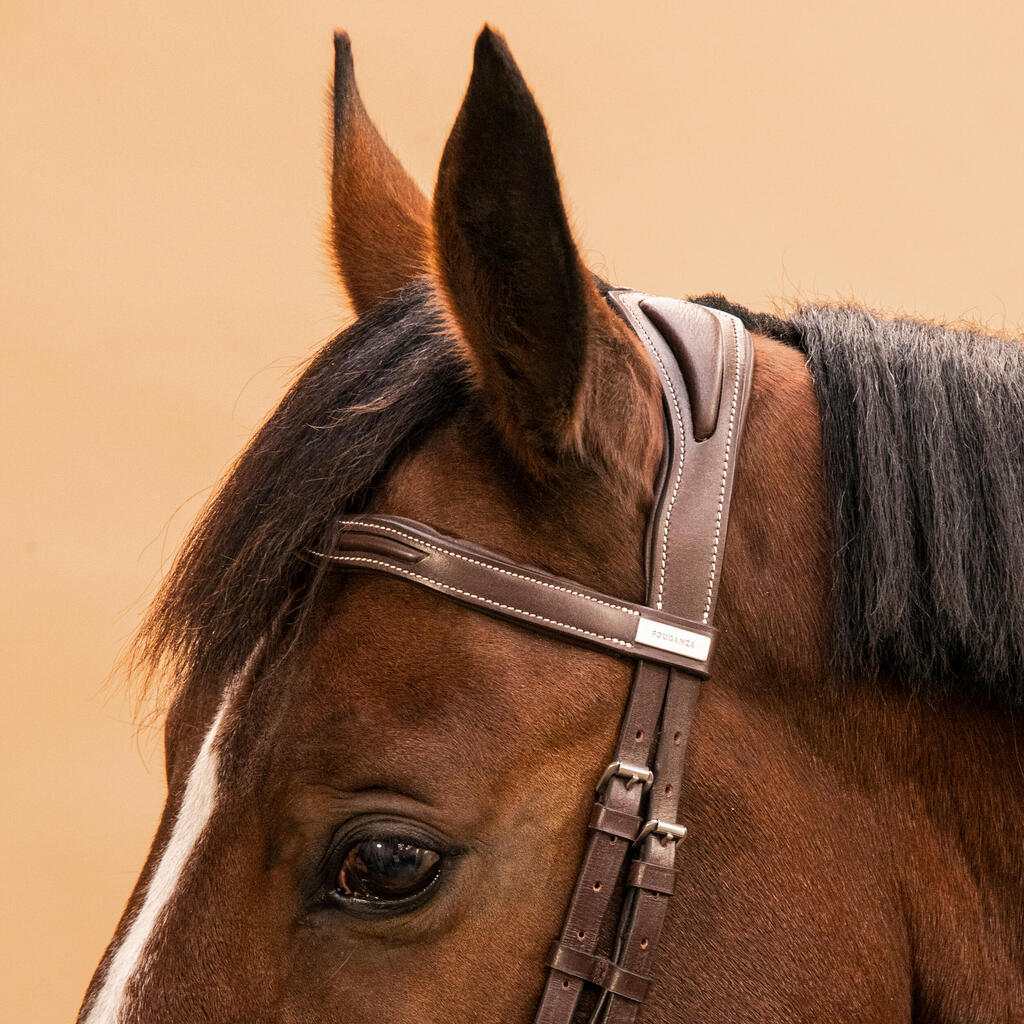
x=379, y=217
x=524, y=305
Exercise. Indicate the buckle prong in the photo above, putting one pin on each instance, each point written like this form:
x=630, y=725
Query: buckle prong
x=664, y=830
x=632, y=773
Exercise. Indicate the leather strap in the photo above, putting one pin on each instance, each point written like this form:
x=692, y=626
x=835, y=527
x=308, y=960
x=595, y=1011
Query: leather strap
x=704, y=360
x=599, y=971
x=685, y=546
x=474, y=576
x=596, y=894
x=615, y=823
x=706, y=473
x=643, y=874
x=690, y=347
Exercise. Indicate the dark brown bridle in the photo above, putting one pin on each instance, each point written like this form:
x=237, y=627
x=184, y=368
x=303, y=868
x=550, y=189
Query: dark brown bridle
x=704, y=360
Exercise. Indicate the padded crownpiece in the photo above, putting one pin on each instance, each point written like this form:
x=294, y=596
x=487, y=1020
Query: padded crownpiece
x=695, y=336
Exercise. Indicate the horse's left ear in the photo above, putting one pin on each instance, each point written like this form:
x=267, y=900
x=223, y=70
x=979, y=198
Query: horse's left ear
x=538, y=334
x=379, y=217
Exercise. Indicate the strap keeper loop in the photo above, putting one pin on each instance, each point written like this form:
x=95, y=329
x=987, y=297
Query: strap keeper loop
x=614, y=823
x=643, y=874
x=600, y=971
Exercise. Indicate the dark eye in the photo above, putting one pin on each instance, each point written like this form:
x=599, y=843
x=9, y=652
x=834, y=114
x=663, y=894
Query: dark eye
x=383, y=869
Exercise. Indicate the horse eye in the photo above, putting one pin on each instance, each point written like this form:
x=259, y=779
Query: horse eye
x=384, y=868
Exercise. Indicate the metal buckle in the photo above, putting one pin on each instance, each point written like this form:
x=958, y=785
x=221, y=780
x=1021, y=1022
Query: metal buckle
x=665, y=830
x=630, y=772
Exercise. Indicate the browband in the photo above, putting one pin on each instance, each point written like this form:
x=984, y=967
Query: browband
x=704, y=361
x=474, y=576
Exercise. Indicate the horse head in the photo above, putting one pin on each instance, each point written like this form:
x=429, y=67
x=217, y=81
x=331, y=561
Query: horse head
x=377, y=797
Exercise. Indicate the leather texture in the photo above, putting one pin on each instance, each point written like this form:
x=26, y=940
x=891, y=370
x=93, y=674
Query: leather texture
x=704, y=360
x=685, y=545
x=692, y=522
x=474, y=576
x=699, y=349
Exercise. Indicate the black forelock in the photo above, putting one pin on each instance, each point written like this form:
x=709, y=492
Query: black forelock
x=245, y=575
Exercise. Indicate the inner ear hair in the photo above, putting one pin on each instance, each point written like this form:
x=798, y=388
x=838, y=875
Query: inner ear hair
x=380, y=220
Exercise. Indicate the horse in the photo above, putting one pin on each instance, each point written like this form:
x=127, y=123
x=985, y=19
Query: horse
x=377, y=798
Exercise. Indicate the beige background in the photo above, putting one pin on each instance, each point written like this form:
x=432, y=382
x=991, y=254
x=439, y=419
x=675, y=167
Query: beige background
x=163, y=270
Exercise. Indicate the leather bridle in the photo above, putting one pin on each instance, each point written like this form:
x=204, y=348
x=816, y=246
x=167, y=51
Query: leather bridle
x=704, y=361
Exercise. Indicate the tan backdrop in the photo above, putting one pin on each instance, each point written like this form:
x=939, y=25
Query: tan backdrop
x=163, y=206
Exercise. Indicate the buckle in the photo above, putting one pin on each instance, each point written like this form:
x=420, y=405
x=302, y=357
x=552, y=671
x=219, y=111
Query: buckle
x=630, y=772
x=664, y=830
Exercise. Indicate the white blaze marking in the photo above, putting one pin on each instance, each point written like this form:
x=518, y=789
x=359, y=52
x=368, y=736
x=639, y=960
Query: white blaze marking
x=196, y=807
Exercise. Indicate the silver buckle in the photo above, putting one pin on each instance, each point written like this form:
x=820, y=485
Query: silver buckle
x=630, y=772
x=664, y=830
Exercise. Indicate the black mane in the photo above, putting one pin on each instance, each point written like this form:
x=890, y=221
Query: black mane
x=923, y=449
x=923, y=446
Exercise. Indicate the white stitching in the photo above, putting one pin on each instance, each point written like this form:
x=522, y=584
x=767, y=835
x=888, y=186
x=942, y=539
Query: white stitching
x=638, y=324
x=417, y=539
x=680, y=433
x=725, y=470
x=476, y=597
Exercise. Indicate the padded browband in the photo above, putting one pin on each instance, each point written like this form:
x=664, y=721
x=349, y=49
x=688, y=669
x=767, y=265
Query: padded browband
x=484, y=580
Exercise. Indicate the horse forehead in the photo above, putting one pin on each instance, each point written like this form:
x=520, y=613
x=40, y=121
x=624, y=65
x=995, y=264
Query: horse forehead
x=463, y=483
x=405, y=652
x=399, y=674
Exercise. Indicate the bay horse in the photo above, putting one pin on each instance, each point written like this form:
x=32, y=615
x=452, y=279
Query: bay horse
x=377, y=798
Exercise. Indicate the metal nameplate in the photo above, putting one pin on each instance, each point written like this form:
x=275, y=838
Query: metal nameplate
x=664, y=637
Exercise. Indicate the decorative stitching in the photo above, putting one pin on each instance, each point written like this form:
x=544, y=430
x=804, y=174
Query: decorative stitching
x=680, y=460
x=680, y=433
x=725, y=470
x=370, y=524
x=388, y=567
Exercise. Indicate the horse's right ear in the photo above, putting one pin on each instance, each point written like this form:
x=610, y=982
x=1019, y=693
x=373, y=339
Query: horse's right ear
x=379, y=217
